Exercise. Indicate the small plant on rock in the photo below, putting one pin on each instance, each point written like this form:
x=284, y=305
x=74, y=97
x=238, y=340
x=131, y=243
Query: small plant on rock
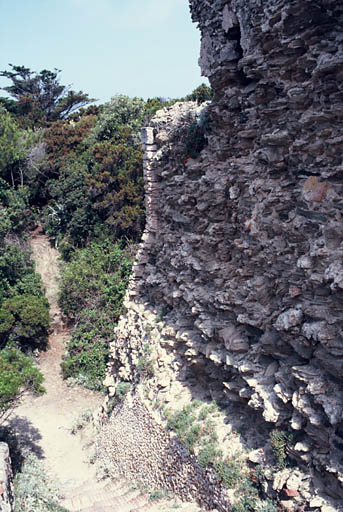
x=122, y=390
x=279, y=441
x=145, y=365
x=82, y=420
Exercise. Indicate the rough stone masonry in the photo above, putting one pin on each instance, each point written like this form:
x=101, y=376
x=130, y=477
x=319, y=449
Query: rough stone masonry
x=243, y=250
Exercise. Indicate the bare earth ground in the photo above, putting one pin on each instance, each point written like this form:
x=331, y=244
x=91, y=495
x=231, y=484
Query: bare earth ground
x=45, y=422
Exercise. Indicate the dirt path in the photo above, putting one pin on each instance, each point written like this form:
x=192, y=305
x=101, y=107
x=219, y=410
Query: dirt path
x=46, y=421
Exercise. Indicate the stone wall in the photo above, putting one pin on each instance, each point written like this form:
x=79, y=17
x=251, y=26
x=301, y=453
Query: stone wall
x=141, y=450
x=242, y=258
x=6, y=477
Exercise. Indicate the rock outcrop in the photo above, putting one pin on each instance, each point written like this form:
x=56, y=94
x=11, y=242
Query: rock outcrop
x=6, y=480
x=242, y=257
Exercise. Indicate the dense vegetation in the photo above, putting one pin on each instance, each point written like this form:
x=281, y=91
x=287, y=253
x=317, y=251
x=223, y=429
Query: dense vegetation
x=24, y=313
x=78, y=172
x=93, y=285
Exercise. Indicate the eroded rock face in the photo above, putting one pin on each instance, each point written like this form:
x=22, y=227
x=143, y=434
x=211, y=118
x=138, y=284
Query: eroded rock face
x=243, y=252
x=6, y=480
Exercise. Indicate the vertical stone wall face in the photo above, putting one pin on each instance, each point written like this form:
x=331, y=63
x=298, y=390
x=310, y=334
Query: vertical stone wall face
x=6, y=480
x=243, y=251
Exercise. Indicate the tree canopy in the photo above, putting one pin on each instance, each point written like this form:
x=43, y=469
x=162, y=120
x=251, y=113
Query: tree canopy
x=40, y=96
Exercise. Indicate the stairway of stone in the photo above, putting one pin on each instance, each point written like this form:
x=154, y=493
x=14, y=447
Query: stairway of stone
x=117, y=496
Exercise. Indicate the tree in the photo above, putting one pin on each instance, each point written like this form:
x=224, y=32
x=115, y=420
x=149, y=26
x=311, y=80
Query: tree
x=19, y=159
x=201, y=94
x=40, y=97
x=24, y=319
x=120, y=111
x=18, y=375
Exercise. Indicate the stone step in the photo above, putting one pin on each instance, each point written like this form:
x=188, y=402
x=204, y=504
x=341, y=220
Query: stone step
x=90, y=497
x=104, y=486
x=123, y=503
x=116, y=496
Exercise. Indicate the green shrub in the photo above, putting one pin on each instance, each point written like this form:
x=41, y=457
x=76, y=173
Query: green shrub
x=87, y=350
x=16, y=203
x=82, y=420
x=120, y=110
x=145, y=365
x=195, y=135
x=122, y=390
x=30, y=284
x=18, y=374
x=96, y=277
x=209, y=453
x=25, y=321
x=229, y=472
x=14, y=265
x=93, y=285
x=202, y=93
x=279, y=442
x=33, y=491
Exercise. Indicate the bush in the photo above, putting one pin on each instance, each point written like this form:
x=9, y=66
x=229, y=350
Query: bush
x=120, y=110
x=18, y=374
x=14, y=265
x=201, y=94
x=25, y=321
x=122, y=390
x=195, y=139
x=96, y=277
x=16, y=208
x=145, y=365
x=32, y=489
x=279, y=442
x=87, y=350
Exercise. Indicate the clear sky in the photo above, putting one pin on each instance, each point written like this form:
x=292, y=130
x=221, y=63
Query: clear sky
x=142, y=48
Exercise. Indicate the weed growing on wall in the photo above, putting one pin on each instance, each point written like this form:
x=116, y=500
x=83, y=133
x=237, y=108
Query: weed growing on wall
x=279, y=442
x=145, y=365
x=122, y=390
x=196, y=430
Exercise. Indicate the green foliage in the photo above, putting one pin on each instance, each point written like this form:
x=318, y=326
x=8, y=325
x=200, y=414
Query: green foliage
x=120, y=111
x=87, y=350
x=15, y=147
x=33, y=490
x=30, y=284
x=209, y=453
x=15, y=264
x=95, y=170
x=17, y=215
x=70, y=212
x=279, y=442
x=40, y=97
x=18, y=374
x=201, y=94
x=194, y=136
x=122, y=390
x=25, y=320
x=93, y=286
x=96, y=277
x=115, y=183
x=145, y=365
x=82, y=420
x=11, y=151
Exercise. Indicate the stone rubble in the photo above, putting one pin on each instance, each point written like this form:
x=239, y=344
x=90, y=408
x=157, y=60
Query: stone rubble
x=144, y=451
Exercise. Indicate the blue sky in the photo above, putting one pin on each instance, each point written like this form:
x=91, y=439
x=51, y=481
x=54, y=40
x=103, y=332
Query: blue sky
x=142, y=48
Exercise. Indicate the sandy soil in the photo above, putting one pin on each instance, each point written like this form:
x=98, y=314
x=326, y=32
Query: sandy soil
x=45, y=422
